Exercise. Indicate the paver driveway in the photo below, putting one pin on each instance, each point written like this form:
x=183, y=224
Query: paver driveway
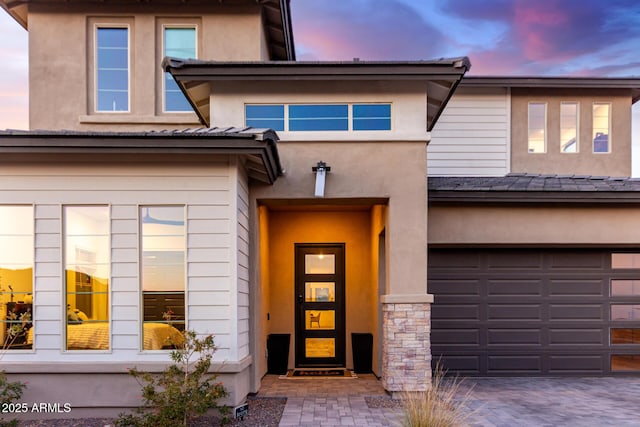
x=496, y=402
x=540, y=402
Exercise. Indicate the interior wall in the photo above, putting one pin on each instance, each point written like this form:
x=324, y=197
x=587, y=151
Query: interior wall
x=378, y=274
x=350, y=227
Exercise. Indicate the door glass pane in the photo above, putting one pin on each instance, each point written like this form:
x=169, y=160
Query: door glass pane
x=319, y=291
x=625, y=336
x=320, y=347
x=319, y=264
x=625, y=312
x=625, y=287
x=625, y=260
x=625, y=362
x=320, y=319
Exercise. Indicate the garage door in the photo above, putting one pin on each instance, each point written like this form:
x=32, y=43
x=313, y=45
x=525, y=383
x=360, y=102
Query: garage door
x=535, y=312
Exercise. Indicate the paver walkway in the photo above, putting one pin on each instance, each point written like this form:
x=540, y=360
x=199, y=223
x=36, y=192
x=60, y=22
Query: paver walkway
x=496, y=402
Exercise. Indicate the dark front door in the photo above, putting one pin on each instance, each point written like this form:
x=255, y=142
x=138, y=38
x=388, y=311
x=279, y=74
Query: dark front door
x=319, y=301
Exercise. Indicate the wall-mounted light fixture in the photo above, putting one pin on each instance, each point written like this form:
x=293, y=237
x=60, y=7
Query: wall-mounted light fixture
x=321, y=170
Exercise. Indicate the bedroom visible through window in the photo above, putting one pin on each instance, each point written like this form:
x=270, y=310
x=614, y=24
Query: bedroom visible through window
x=16, y=277
x=86, y=265
x=163, y=275
x=112, y=69
x=179, y=42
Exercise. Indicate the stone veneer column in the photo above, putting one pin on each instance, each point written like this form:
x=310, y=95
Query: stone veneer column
x=406, y=345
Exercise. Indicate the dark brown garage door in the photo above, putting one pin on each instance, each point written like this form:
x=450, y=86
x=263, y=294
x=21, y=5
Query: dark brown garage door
x=535, y=312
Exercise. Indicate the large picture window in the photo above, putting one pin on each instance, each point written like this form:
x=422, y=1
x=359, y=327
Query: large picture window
x=163, y=275
x=112, y=69
x=178, y=42
x=16, y=277
x=86, y=265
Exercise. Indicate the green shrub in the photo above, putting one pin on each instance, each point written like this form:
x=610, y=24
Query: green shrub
x=182, y=392
x=443, y=405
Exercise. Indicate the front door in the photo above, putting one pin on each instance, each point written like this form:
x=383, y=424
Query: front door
x=320, y=302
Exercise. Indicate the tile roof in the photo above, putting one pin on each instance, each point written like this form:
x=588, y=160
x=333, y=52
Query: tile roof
x=215, y=132
x=534, y=183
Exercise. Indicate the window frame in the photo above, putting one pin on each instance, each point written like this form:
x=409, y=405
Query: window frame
x=350, y=115
x=141, y=267
x=577, y=127
x=609, y=127
x=544, y=129
x=111, y=24
x=6, y=291
x=64, y=247
x=163, y=25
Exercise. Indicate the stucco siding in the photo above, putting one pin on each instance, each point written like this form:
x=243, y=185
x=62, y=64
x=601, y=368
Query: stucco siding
x=471, y=137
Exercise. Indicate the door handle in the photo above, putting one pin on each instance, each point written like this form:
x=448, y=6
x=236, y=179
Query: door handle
x=300, y=299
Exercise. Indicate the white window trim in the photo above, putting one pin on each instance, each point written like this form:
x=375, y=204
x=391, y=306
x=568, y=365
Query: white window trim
x=610, y=139
x=163, y=92
x=105, y=24
x=544, y=151
x=577, y=104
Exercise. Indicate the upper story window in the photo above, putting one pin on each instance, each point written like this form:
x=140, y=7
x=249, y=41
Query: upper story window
x=112, y=69
x=537, y=127
x=178, y=42
x=601, y=127
x=87, y=269
x=569, y=127
x=319, y=117
x=16, y=277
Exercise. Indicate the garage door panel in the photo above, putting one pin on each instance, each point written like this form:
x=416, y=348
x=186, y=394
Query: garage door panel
x=514, y=260
x=576, y=364
x=514, y=337
x=577, y=287
x=456, y=337
x=521, y=288
x=462, y=364
x=576, y=312
x=577, y=260
x=455, y=287
x=574, y=336
x=514, y=312
x=514, y=364
x=446, y=260
x=456, y=312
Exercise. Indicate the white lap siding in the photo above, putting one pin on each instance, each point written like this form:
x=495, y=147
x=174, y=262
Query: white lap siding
x=243, y=264
x=209, y=194
x=472, y=136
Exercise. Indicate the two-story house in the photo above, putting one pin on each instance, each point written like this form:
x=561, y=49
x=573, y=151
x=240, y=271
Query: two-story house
x=299, y=208
x=237, y=192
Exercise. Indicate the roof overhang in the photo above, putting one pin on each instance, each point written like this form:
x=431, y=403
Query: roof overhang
x=276, y=15
x=628, y=83
x=256, y=146
x=440, y=76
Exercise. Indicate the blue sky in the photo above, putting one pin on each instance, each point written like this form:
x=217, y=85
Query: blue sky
x=501, y=37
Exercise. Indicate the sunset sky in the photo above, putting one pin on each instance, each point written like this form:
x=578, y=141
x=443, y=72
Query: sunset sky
x=501, y=37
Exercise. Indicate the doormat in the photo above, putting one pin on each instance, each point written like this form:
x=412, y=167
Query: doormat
x=320, y=373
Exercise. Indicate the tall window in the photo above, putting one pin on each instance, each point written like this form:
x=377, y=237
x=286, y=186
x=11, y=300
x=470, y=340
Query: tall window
x=163, y=274
x=569, y=127
x=179, y=42
x=601, y=127
x=537, y=127
x=112, y=69
x=86, y=266
x=16, y=276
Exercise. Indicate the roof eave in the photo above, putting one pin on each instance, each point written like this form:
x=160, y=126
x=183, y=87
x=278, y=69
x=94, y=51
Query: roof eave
x=442, y=77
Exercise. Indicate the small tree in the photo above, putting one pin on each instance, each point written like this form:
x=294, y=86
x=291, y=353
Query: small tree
x=181, y=392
